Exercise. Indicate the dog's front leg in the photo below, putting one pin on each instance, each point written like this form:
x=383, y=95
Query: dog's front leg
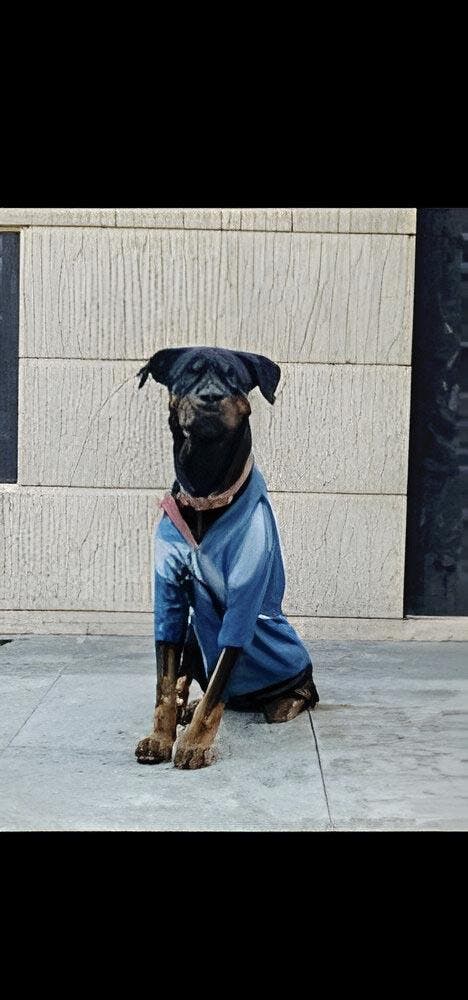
x=194, y=747
x=157, y=748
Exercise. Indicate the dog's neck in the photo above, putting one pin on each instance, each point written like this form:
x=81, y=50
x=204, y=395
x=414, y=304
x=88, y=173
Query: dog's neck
x=203, y=467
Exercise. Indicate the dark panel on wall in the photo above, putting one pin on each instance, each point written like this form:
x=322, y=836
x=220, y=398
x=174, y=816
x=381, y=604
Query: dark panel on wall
x=9, y=327
x=461, y=218
x=433, y=573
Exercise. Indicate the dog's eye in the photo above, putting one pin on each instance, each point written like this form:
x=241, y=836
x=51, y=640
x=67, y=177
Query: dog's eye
x=196, y=366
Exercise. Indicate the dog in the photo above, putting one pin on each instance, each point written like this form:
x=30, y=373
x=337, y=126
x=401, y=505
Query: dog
x=219, y=571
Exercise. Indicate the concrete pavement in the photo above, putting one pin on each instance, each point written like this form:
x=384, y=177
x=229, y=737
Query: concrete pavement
x=386, y=748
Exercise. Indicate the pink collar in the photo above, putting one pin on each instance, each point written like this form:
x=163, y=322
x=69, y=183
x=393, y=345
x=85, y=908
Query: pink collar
x=169, y=504
x=216, y=499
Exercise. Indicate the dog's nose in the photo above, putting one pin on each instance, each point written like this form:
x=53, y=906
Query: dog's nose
x=210, y=395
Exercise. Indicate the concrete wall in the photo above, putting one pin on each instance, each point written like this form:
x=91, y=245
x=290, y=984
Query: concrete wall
x=326, y=293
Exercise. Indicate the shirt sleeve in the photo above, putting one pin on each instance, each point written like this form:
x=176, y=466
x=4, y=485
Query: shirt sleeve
x=249, y=573
x=171, y=603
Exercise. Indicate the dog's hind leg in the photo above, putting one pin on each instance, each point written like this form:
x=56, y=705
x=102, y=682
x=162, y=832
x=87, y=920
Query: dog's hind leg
x=157, y=748
x=182, y=693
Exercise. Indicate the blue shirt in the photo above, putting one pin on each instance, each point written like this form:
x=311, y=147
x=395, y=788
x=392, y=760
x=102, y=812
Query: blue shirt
x=233, y=592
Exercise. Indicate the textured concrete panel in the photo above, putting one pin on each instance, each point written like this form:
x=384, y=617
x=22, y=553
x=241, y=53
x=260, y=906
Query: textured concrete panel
x=76, y=549
x=201, y=218
x=92, y=549
x=333, y=428
x=57, y=216
x=262, y=219
x=354, y=220
x=152, y=218
x=99, y=293
x=313, y=220
x=344, y=555
x=88, y=424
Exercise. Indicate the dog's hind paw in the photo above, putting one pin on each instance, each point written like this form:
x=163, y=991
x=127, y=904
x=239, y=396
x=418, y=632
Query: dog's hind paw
x=286, y=708
x=153, y=750
x=194, y=757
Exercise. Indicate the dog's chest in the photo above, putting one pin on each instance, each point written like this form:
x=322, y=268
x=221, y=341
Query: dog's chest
x=200, y=520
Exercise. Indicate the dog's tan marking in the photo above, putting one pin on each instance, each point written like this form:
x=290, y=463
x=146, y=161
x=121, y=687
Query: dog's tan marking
x=231, y=410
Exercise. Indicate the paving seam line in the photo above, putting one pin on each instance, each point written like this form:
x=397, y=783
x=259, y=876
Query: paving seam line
x=332, y=825
x=57, y=678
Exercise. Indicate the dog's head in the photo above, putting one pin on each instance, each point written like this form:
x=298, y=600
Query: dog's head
x=208, y=386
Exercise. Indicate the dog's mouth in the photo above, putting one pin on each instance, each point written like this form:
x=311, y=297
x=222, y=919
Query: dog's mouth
x=208, y=407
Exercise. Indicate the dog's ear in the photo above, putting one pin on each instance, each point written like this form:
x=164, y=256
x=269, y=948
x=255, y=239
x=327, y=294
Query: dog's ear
x=161, y=366
x=263, y=372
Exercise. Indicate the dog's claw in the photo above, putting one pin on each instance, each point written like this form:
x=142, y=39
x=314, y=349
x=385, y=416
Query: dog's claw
x=153, y=750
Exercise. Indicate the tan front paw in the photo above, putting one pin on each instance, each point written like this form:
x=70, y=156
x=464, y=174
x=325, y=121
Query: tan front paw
x=191, y=756
x=154, y=749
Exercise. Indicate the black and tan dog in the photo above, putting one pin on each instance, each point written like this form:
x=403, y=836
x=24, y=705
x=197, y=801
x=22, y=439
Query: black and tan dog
x=217, y=538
